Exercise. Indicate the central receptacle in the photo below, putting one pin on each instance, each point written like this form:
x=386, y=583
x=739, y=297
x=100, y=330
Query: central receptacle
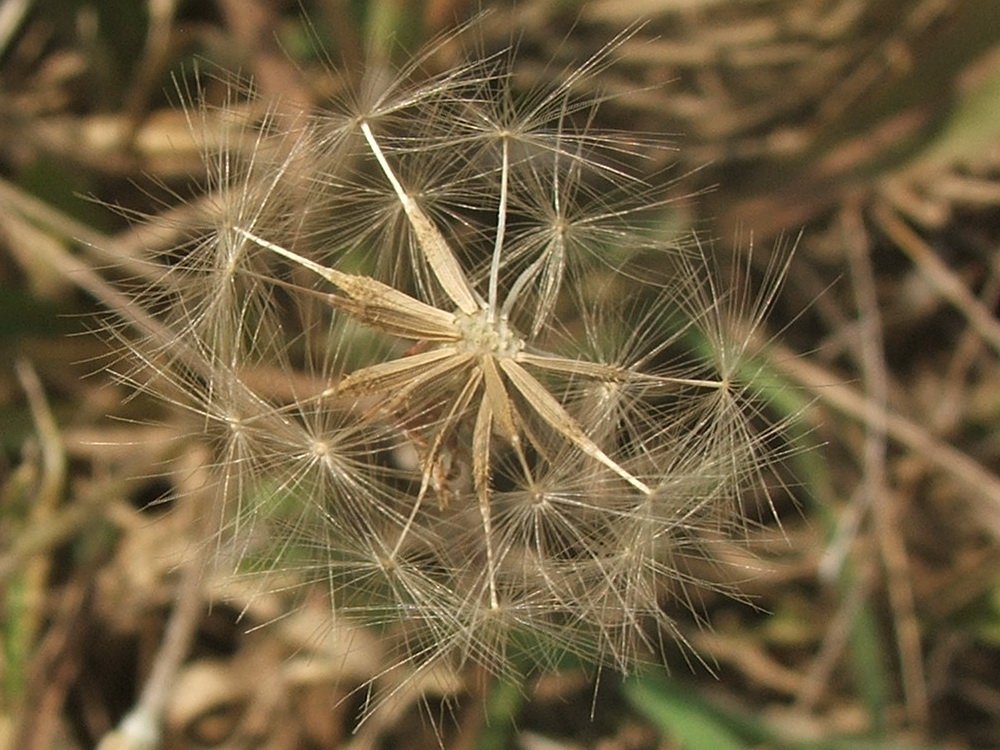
x=487, y=335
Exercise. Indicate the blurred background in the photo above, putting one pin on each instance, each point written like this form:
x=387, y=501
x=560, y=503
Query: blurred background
x=864, y=133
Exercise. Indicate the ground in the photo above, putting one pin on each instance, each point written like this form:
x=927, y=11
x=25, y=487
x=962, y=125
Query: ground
x=858, y=141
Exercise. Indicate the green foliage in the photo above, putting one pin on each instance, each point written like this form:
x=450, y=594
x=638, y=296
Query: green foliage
x=697, y=723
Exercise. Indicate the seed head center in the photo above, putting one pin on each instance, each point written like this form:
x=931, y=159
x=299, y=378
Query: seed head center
x=484, y=334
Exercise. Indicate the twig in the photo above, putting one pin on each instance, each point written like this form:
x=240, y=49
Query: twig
x=948, y=409
x=12, y=13
x=155, y=58
x=252, y=23
x=938, y=275
x=141, y=727
x=41, y=537
x=53, y=455
x=53, y=481
x=65, y=227
x=80, y=273
x=836, y=636
x=882, y=502
x=43, y=504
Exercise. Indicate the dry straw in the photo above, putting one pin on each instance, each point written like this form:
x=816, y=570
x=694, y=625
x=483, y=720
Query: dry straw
x=451, y=370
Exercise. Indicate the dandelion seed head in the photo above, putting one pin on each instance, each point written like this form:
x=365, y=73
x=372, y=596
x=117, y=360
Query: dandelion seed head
x=351, y=321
